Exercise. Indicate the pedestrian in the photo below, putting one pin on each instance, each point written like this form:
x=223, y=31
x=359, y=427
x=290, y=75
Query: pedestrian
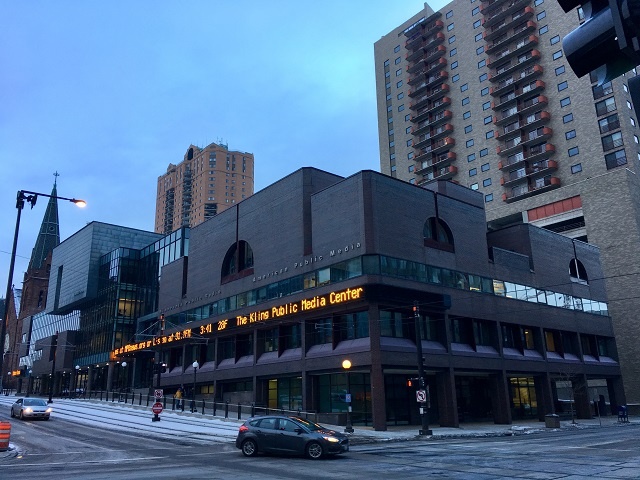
x=179, y=401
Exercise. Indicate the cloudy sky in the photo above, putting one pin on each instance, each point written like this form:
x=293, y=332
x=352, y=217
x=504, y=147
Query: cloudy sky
x=109, y=93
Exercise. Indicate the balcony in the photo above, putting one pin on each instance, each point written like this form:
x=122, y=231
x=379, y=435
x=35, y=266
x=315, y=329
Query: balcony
x=508, y=13
x=437, y=146
x=428, y=71
x=517, y=94
x=512, y=50
x=524, y=173
x=431, y=95
x=425, y=112
x=509, y=36
x=539, y=185
x=509, y=67
x=422, y=29
x=428, y=43
x=429, y=56
x=533, y=120
x=436, y=161
x=514, y=144
x=535, y=154
x=490, y=6
x=429, y=82
x=434, y=134
x=522, y=108
x=431, y=121
x=505, y=85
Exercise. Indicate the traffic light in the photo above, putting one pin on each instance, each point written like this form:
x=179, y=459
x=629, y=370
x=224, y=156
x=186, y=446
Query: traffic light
x=607, y=41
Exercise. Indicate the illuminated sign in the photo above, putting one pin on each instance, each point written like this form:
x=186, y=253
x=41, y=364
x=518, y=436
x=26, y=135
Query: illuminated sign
x=278, y=311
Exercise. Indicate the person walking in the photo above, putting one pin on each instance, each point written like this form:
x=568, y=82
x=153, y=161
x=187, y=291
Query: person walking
x=179, y=399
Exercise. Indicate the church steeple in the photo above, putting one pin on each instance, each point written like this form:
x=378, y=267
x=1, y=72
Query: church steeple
x=49, y=236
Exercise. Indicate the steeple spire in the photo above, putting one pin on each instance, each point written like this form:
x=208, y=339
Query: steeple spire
x=49, y=236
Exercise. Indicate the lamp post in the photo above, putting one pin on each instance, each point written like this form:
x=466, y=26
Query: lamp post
x=124, y=375
x=29, y=383
x=346, y=365
x=76, y=383
x=195, y=366
x=31, y=198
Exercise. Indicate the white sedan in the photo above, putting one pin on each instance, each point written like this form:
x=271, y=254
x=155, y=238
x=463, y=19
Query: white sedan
x=31, y=408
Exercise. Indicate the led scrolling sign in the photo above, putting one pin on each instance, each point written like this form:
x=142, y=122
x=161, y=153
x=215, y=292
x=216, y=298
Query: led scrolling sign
x=279, y=311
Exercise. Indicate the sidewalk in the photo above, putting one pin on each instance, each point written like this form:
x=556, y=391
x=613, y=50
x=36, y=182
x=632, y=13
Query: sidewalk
x=177, y=424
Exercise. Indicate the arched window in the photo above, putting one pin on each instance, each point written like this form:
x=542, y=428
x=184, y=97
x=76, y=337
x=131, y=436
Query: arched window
x=577, y=272
x=238, y=262
x=437, y=234
x=190, y=154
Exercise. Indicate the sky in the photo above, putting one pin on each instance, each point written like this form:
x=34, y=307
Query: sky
x=107, y=94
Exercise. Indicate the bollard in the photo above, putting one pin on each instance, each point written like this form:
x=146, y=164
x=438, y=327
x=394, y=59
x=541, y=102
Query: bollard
x=203, y=402
x=147, y=399
x=226, y=409
x=239, y=411
x=214, y=408
x=140, y=400
x=164, y=402
x=253, y=409
x=100, y=395
x=173, y=404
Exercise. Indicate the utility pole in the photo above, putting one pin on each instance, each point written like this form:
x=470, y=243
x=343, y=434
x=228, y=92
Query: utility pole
x=422, y=395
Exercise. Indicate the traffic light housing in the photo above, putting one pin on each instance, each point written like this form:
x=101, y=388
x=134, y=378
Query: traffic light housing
x=607, y=42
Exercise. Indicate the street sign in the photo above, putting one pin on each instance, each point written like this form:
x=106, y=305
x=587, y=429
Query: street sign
x=347, y=397
x=158, y=393
x=421, y=396
x=157, y=408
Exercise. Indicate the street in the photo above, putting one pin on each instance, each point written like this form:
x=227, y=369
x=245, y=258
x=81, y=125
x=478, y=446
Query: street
x=62, y=449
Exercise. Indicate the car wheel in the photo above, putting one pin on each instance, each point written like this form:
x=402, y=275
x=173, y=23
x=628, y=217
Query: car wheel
x=314, y=450
x=249, y=448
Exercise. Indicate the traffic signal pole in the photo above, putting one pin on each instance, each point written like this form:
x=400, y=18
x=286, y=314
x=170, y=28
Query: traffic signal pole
x=422, y=384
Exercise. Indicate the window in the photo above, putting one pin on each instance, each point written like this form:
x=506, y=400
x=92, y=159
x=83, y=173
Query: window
x=570, y=134
x=474, y=186
x=482, y=77
x=407, y=130
x=624, y=85
x=488, y=198
x=437, y=234
x=480, y=50
x=407, y=117
x=482, y=63
x=612, y=141
x=469, y=143
x=562, y=86
x=478, y=37
x=557, y=55
x=554, y=40
x=386, y=63
x=485, y=167
x=401, y=108
x=577, y=168
x=573, y=151
x=567, y=118
x=466, y=115
x=392, y=144
x=489, y=134
x=397, y=49
x=475, y=11
x=633, y=122
x=565, y=101
x=560, y=70
x=452, y=39
x=453, y=52
x=410, y=168
x=538, y=2
x=477, y=23
x=486, y=182
x=615, y=159
x=468, y=129
x=471, y=157
x=410, y=155
x=473, y=172
x=409, y=142
x=398, y=72
x=398, y=60
x=488, y=119
x=484, y=152
x=238, y=262
x=449, y=14
x=608, y=124
x=455, y=78
x=400, y=96
x=449, y=27
x=544, y=29
x=606, y=106
x=399, y=84
x=464, y=88
x=541, y=15
x=465, y=101
x=484, y=91
x=486, y=106
x=629, y=106
x=454, y=65
x=602, y=90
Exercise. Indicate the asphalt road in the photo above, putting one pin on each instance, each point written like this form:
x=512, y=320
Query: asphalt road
x=62, y=449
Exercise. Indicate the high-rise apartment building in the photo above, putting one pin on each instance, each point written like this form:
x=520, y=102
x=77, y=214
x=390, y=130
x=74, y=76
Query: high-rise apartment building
x=208, y=181
x=480, y=93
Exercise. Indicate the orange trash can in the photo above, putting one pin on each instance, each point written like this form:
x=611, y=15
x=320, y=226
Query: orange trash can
x=5, y=433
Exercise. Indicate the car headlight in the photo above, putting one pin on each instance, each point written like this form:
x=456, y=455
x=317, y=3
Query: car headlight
x=49, y=410
x=331, y=439
x=28, y=410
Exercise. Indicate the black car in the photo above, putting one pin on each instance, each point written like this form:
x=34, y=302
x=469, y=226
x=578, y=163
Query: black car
x=281, y=434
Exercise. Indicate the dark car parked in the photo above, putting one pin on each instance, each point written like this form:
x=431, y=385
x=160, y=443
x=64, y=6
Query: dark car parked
x=289, y=435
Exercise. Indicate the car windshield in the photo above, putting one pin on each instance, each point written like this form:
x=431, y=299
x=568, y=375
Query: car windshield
x=310, y=425
x=34, y=402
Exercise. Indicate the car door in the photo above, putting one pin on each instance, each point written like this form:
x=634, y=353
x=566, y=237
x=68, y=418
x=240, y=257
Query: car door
x=290, y=439
x=267, y=435
x=18, y=407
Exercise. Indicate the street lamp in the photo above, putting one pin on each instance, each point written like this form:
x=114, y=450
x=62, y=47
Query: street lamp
x=77, y=381
x=31, y=198
x=346, y=365
x=195, y=366
x=124, y=375
x=29, y=383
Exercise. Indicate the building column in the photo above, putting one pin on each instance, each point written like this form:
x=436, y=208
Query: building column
x=447, y=401
x=581, y=396
x=616, y=394
x=544, y=395
x=500, y=399
x=90, y=374
x=378, y=400
x=110, y=368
